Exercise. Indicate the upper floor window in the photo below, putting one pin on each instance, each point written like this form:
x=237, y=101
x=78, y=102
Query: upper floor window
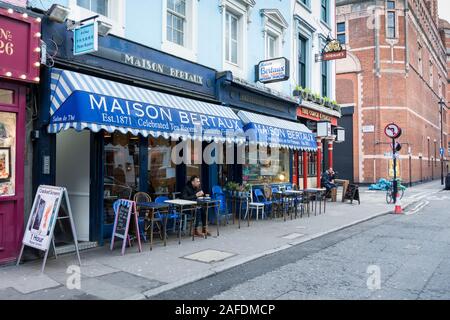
x=231, y=38
x=176, y=20
x=340, y=31
x=98, y=6
x=391, y=20
x=271, y=46
x=324, y=10
x=324, y=78
x=302, y=60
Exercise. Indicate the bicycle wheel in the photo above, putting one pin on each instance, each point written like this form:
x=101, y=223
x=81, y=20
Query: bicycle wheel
x=389, y=199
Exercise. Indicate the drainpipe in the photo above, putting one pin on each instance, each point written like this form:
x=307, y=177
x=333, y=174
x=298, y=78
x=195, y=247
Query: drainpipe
x=406, y=37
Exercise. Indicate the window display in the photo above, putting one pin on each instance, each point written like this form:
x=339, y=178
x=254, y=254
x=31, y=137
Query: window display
x=267, y=169
x=7, y=153
x=161, y=169
x=121, y=170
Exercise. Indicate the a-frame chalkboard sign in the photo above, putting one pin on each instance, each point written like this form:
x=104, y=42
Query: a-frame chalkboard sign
x=124, y=210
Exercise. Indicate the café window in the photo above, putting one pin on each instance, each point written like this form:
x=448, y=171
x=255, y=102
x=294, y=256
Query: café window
x=97, y=6
x=121, y=170
x=275, y=168
x=7, y=153
x=312, y=164
x=161, y=169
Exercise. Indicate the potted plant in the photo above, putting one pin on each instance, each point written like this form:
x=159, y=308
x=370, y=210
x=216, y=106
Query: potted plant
x=318, y=98
x=336, y=106
x=327, y=102
x=298, y=91
x=248, y=188
x=308, y=95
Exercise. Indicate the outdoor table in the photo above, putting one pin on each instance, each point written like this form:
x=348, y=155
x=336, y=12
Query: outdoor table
x=163, y=208
x=317, y=191
x=208, y=203
x=235, y=199
x=294, y=194
x=181, y=204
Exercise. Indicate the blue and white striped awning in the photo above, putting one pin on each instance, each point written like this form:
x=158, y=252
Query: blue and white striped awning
x=277, y=133
x=81, y=102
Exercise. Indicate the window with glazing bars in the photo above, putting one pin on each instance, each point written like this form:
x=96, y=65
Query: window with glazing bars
x=176, y=21
x=97, y=6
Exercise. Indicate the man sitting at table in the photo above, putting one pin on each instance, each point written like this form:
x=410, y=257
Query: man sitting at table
x=328, y=180
x=192, y=192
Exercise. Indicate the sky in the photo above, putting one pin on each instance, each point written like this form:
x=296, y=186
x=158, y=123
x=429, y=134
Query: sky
x=444, y=9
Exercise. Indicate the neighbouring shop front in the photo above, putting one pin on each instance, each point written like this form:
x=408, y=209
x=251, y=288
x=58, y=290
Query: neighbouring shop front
x=310, y=165
x=112, y=123
x=277, y=136
x=19, y=68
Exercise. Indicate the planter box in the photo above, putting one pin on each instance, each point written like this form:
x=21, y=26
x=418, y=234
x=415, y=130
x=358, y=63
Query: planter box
x=297, y=93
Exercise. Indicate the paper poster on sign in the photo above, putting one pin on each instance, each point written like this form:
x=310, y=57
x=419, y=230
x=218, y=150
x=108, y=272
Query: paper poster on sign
x=43, y=216
x=391, y=168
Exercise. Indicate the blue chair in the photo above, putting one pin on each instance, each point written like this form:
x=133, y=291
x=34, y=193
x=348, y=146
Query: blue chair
x=261, y=198
x=172, y=215
x=218, y=194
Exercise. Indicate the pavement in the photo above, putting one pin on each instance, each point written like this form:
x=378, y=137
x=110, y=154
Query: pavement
x=106, y=274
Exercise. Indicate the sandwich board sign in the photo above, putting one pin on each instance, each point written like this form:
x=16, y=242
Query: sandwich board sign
x=41, y=223
x=123, y=212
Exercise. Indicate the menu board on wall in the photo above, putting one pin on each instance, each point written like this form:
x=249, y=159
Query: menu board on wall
x=7, y=153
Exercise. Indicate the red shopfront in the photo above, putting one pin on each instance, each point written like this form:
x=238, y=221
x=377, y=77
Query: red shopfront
x=19, y=66
x=308, y=166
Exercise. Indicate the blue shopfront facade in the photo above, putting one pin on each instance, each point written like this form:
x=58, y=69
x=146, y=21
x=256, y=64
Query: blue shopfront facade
x=126, y=89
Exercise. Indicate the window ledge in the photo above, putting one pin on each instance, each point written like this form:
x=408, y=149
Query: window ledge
x=178, y=51
x=326, y=24
x=305, y=6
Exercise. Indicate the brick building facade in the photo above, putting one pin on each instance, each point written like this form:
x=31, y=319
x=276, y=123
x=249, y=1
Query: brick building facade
x=395, y=71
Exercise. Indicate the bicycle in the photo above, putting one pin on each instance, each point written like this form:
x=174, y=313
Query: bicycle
x=390, y=191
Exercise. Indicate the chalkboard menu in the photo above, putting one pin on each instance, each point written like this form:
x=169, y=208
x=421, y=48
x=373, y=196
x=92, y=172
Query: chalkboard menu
x=124, y=209
x=352, y=193
x=123, y=219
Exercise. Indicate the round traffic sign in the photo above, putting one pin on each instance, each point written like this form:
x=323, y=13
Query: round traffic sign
x=393, y=131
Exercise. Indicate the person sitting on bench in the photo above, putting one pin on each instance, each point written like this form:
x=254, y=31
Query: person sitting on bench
x=328, y=181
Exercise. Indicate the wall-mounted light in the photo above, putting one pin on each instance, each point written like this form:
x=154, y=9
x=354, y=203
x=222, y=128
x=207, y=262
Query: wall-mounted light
x=58, y=13
x=323, y=129
x=104, y=28
x=8, y=74
x=340, y=134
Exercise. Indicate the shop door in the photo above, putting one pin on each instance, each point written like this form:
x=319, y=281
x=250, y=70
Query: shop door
x=12, y=134
x=73, y=173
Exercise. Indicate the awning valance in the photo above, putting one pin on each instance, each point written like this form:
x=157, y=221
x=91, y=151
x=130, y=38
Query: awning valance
x=81, y=102
x=274, y=132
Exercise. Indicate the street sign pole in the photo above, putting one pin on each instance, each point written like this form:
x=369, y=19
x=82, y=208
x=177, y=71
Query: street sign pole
x=395, y=185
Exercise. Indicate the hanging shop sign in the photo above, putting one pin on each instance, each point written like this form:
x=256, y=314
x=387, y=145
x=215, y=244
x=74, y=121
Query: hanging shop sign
x=273, y=70
x=19, y=46
x=85, y=38
x=333, y=51
x=316, y=115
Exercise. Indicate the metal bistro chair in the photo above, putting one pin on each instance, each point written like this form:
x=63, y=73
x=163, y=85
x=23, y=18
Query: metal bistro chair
x=218, y=194
x=172, y=215
x=277, y=202
x=142, y=197
x=261, y=198
x=251, y=206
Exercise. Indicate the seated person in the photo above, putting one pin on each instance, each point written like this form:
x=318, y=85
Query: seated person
x=328, y=180
x=191, y=192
